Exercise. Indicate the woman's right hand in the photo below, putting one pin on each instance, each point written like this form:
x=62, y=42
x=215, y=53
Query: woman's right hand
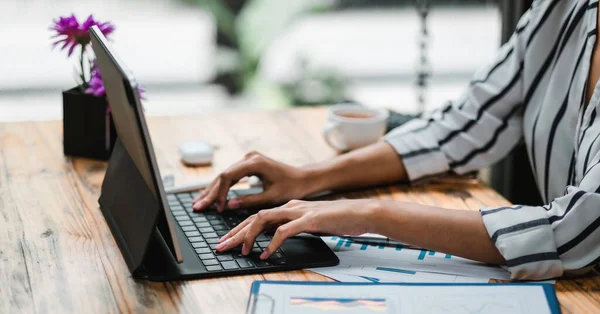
x=281, y=183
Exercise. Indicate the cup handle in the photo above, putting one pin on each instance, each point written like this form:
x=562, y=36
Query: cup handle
x=328, y=130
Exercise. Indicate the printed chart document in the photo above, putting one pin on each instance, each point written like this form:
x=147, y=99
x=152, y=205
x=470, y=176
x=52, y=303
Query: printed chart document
x=286, y=297
x=387, y=263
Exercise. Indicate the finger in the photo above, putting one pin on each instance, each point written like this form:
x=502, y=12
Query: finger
x=233, y=175
x=209, y=198
x=237, y=229
x=284, y=231
x=198, y=203
x=233, y=241
x=249, y=201
x=263, y=219
x=203, y=193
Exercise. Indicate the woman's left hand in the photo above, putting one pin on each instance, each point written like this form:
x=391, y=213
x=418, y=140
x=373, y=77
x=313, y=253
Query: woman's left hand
x=344, y=217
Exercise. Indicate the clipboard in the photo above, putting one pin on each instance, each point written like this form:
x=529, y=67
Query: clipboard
x=288, y=297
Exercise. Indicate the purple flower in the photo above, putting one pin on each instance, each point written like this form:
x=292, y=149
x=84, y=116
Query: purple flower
x=70, y=33
x=96, y=86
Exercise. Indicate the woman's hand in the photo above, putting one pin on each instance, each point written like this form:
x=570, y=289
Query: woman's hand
x=281, y=183
x=345, y=217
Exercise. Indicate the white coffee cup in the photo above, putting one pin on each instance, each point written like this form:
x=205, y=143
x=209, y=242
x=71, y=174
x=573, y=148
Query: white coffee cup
x=350, y=127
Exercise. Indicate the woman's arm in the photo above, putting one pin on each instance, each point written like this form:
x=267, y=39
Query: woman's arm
x=376, y=164
x=456, y=232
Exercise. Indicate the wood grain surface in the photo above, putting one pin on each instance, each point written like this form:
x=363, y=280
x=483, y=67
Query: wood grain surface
x=57, y=254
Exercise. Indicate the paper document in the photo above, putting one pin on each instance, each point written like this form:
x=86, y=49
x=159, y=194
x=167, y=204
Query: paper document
x=355, y=255
x=382, y=274
x=268, y=297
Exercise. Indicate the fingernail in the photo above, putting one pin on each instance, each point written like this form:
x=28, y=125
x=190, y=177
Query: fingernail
x=198, y=204
x=234, y=203
x=221, y=246
x=263, y=255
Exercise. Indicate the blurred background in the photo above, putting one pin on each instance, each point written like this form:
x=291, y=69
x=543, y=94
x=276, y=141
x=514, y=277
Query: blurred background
x=194, y=56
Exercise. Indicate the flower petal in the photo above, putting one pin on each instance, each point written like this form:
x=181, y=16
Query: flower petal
x=71, y=49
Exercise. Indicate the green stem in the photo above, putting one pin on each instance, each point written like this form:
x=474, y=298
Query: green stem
x=81, y=58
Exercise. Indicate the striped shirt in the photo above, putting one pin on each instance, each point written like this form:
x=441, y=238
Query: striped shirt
x=534, y=92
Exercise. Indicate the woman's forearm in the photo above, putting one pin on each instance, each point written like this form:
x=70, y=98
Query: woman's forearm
x=457, y=232
x=376, y=164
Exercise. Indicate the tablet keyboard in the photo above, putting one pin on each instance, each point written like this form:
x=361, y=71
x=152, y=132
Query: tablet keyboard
x=203, y=230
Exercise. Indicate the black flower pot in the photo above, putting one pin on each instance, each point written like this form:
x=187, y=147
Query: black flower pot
x=88, y=130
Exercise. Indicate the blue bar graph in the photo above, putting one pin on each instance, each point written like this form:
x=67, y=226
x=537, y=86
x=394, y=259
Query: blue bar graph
x=347, y=243
x=396, y=270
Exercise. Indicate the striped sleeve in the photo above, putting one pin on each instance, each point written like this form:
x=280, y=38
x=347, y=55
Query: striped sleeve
x=478, y=129
x=540, y=242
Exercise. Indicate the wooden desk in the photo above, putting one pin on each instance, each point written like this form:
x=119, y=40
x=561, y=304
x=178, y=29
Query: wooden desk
x=57, y=254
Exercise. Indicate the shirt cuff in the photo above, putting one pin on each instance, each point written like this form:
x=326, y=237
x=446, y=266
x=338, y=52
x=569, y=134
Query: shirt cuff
x=525, y=238
x=419, y=150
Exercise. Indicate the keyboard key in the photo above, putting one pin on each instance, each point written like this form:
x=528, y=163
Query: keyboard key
x=178, y=213
x=261, y=263
x=192, y=233
x=207, y=229
x=171, y=197
x=185, y=223
x=230, y=265
x=200, y=245
x=199, y=219
x=277, y=255
x=212, y=240
x=256, y=251
x=210, y=262
x=213, y=246
x=263, y=244
x=189, y=228
x=277, y=261
x=203, y=225
x=224, y=258
x=177, y=207
x=203, y=250
x=262, y=237
x=244, y=263
x=221, y=227
x=210, y=235
x=206, y=256
x=182, y=218
x=221, y=233
x=214, y=268
x=196, y=239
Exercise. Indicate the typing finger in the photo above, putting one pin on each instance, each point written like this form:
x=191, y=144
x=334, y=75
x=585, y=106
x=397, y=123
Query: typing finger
x=204, y=192
x=210, y=197
x=249, y=201
x=233, y=241
x=237, y=228
x=263, y=219
x=283, y=232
